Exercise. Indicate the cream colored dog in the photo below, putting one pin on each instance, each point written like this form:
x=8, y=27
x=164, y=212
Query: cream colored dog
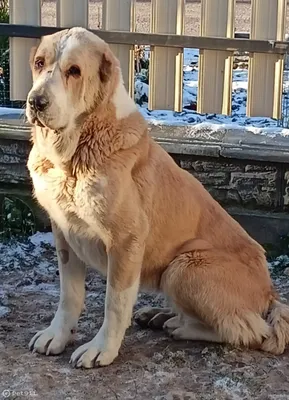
x=120, y=204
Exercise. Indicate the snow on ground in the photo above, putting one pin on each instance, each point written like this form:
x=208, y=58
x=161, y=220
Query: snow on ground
x=38, y=238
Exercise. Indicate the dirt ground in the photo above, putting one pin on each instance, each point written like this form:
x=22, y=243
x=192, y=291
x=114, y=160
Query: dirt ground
x=150, y=366
x=192, y=16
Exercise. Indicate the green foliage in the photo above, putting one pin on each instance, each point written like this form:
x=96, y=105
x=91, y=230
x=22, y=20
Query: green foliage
x=282, y=247
x=4, y=11
x=16, y=218
x=278, y=256
x=278, y=266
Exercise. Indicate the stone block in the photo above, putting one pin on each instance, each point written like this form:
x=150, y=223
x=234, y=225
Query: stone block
x=214, y=179
x=15, y=173
x=256, y=188
x=210, y=166
x=259, y=168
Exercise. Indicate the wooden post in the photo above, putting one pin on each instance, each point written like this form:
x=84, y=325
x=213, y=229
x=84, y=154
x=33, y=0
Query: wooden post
x=57, y=12
x=26, y=12
x=72, y=13
x=216, y=67
x=166, y=65
x=119, y=15
x=265, y=79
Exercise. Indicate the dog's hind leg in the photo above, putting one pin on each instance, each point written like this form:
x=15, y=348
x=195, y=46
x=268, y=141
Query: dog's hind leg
x=226, y=296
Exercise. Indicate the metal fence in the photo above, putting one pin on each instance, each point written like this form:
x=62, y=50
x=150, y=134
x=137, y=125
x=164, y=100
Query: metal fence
x=217, y=44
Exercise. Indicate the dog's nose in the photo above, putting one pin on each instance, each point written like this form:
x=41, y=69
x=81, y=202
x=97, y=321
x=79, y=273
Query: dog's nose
x=38, y=102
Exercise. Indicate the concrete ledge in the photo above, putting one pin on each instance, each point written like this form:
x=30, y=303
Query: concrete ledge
x=226, y=142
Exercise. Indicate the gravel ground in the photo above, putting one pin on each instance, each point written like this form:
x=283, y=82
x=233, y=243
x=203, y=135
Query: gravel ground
x=151, y=366
x=192, y=16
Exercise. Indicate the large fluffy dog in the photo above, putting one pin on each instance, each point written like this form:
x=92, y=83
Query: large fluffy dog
x=120, y=204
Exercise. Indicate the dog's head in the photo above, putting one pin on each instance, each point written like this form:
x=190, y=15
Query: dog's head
x=74, y=72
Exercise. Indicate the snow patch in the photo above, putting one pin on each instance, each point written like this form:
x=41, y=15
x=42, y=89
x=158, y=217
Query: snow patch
x=4, y=311
x=236, y=390
x=38, y=238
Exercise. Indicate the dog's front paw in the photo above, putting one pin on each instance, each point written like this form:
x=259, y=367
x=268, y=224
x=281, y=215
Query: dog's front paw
x=50, y=341
x=95, y=353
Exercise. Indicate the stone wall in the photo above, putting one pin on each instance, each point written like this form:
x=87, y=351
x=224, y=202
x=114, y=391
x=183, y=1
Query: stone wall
x=13, y=159
x=238, y=183
x=248, y=175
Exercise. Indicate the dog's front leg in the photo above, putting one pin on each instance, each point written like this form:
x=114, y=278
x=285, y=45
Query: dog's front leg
x=124, y=267
x=72, y=271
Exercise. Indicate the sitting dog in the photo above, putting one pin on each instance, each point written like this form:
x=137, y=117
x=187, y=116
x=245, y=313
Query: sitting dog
x=120, y=204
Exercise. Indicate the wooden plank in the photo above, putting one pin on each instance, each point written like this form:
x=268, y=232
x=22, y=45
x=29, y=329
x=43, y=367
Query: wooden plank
x=265, y=79
x=72, y=13
x=215, y=67
x=120, y=15
x=162, y=40
x=57, y=13
x=279, y=67
x=26, y=13
x=166, y=65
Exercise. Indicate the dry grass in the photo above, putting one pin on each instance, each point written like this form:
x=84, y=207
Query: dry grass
x=192, y=16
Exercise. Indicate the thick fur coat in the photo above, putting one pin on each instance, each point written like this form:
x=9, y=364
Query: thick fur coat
x=118, y=203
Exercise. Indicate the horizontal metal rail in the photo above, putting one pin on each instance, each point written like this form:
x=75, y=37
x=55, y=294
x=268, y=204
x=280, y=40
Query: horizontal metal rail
x=162, y=40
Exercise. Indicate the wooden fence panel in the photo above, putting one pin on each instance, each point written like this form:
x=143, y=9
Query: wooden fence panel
x=26, y=12
x=265, y=79
x=166, y=65
x=216, y=67
x=72, y=13
x=119, y=15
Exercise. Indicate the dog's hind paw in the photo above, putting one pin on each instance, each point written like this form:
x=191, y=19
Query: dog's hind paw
x=172, y=324
x=153, y=317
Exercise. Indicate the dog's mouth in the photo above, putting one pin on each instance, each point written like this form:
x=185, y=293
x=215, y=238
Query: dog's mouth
x=36, y=121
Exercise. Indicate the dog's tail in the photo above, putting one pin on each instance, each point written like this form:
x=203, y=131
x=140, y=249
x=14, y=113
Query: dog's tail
x=278, y=320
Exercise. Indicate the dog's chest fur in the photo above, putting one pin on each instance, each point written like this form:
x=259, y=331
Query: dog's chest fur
x=77, y=207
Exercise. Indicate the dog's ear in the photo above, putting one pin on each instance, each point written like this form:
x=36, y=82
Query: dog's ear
x=106, y=65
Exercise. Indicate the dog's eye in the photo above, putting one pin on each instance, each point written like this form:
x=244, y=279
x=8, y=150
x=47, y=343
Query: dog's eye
x=39, y=63
x=73, y=71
